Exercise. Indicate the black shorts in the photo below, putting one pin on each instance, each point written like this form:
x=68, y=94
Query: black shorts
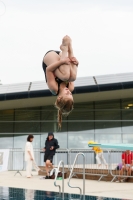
x=48, y=157
x=45, y=66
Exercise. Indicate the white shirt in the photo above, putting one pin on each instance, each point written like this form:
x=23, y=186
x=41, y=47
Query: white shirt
x=28, y=147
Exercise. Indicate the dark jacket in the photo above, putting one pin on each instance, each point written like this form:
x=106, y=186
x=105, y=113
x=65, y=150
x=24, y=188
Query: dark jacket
x=49, y=144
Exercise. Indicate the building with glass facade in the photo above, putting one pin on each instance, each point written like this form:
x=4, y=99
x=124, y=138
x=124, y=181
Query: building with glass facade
x=103, y=111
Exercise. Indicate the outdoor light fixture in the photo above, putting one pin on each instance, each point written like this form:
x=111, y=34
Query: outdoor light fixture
x=130, y=104
x=127, y=107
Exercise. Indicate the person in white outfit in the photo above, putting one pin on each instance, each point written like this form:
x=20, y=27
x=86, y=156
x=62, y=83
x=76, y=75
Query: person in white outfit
x=99, y=154
x=29, y=157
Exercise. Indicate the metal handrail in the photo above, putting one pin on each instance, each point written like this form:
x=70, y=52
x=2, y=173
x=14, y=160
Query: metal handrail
x=56, y=174
x=83, y=174
x=89, y=173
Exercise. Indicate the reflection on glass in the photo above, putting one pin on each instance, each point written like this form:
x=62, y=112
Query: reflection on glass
x=127, y=127
x=25, y=118
x=108, y=127
x=48, y=127
x=43, y=139
x=80, y=126
x=128, y=137
x=62, y=139
x=6, y=121
x=79, y=133
x=107, y=115
x=6, y=141
x=20, y=140
x=108, y=137
x=27, y=127
x=127, y=114
x=107, y=104
x=6, y=127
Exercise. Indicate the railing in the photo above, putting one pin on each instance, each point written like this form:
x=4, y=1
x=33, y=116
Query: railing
x=83, y=175
x=56, y=174
x=91, y=168
x=112, y=157
x=115, y=167
x=17, y=158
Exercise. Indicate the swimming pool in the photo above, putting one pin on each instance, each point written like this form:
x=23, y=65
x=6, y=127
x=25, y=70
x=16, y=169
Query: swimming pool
x=28, y=194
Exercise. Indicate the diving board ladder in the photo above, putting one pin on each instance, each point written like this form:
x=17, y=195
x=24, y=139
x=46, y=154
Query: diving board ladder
x=71, y=174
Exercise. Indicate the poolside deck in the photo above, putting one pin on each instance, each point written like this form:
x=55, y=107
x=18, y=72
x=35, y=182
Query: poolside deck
x=102, y=188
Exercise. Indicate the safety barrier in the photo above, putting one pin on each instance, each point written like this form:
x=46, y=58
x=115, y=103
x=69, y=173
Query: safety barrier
x=61, y=154
x=115, y=165
x=91, y=167
x=112, y=157
x=17, y=158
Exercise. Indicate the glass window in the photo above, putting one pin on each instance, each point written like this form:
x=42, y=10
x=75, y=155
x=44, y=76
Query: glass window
x=127, y=114
x=107, y=110
x=108, y=131
x=6, y=121
x=43, y=139
x=20, y=141
x=108, y=127
x=27, y=127
x=83, y=105
x=82, y=111
x=80, y=130
x=108, y=137
x=49, y=116
x=61, y=135
x=49, y=127
x=37, y=141
x=48, y=113
x=62, y=139
x=79, y=139
x=127, y=127
x=127, y=110
x=111, y=104
x=127, y=104
x=27, y=120
x=79, y=133
x=6, y=141
x=128, y=138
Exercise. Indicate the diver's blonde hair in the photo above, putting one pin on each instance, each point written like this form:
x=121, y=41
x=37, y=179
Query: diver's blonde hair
x=64, y=106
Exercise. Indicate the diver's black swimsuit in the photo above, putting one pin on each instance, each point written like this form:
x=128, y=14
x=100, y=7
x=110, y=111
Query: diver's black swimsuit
x=59, y=81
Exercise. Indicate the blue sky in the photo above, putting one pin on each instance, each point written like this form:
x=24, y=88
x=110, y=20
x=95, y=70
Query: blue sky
x=101, y=31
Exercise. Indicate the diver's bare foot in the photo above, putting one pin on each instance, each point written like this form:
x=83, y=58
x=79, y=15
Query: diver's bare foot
x=66, y=40
x=70, y=41
x=66, y=43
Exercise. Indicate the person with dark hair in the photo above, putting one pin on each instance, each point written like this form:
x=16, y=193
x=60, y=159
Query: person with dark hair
x=60, y=68
x=29, y=156
x=51, y=144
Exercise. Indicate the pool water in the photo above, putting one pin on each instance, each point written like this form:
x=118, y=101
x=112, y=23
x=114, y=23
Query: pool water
x=26, y=194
